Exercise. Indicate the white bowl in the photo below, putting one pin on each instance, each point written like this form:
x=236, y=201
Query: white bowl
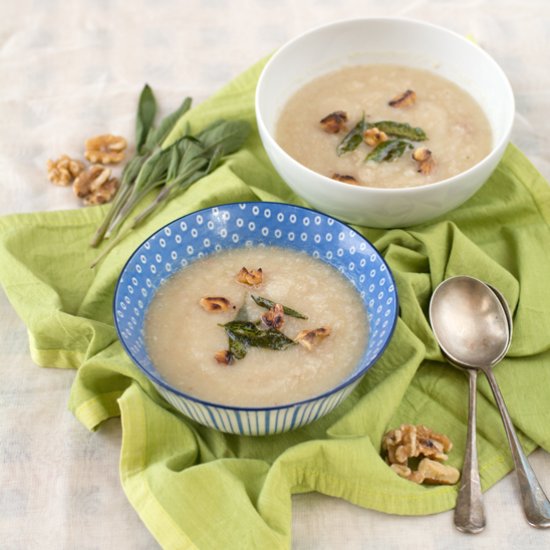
x=390, y=41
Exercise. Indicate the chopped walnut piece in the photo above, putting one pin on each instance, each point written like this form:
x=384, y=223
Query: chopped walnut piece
x=434, y=472
x=345, y=179
x=374, y=136
x=253, y=277
x=103, y=194
x=407, y=473
x=63, y=170
x=275, y=317
x=224, y=357
x=401, y=470
x=425, y=160
x=406, y=99
x=106, y=148
x=400, y=444
x=91, y=180
x=335, y=122
x=215, y=304
x=312, y=337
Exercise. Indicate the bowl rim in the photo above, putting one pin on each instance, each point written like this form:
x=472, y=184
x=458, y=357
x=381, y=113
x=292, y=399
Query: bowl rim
x=340, y=386
x=496, y=146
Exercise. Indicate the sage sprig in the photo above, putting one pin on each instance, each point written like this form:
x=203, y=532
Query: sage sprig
x=169, y=171
x=148, y=141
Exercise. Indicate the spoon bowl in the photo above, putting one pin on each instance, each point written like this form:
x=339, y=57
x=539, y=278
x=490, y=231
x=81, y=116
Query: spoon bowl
x=469, y=322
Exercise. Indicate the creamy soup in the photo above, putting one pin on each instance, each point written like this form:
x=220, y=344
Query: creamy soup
x=458, y=132
x=185, y=340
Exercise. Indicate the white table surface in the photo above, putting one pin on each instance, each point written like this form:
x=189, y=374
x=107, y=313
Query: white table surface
x=69, y=70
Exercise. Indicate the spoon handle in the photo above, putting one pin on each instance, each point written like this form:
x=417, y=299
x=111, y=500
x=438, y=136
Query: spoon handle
x=535, y=503
x=469, y=516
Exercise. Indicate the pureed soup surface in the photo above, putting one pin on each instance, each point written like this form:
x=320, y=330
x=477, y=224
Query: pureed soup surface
x=182, y=338
x=458, y=131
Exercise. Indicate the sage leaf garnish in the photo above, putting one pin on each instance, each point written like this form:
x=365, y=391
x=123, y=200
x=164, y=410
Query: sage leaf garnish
x=237, y=348
x=268, y=304
x=249, y=334
x=401, y=130
x=353, y=138
x=389, y=150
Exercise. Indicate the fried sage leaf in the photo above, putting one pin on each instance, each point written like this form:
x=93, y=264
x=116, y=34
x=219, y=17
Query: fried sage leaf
x=353, y=138
x=389, y=150
x=268, y=304
x=237, y=348
x=248, y=334
x=401, y=130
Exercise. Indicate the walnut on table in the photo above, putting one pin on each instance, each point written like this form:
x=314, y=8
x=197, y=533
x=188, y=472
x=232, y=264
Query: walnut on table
x=64, y=170
x=95, y=185
x=409, y=441
x=105, y=149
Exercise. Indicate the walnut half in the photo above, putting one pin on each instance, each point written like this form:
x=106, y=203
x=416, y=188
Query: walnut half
x=63, y=170
x=424, y=158
x=334, y=122
x=215, y=304
x=252, y=277
x=106, y=149
x=91, y=180
x=374, y=136
x=103, y=194
x=406, y=99
x=345, y=178
x=275, y=317
x=95, y=185
x=312, y=337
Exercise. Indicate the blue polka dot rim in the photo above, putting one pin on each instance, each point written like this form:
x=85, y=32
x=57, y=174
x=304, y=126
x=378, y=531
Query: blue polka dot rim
x=248, y=224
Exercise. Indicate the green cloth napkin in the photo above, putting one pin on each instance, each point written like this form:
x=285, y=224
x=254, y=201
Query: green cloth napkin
x=198, y=488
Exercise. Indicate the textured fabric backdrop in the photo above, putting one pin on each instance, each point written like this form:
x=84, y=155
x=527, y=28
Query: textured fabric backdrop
x=70, y=70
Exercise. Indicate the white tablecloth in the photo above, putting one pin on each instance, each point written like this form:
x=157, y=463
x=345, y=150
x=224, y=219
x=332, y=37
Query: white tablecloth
x=69, y=70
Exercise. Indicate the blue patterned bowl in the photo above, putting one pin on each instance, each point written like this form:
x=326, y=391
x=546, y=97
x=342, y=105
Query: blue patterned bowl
x=187, y=239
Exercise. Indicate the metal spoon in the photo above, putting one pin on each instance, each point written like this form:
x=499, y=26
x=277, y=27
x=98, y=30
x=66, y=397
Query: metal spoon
x=473, y=329
x=469, y=516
